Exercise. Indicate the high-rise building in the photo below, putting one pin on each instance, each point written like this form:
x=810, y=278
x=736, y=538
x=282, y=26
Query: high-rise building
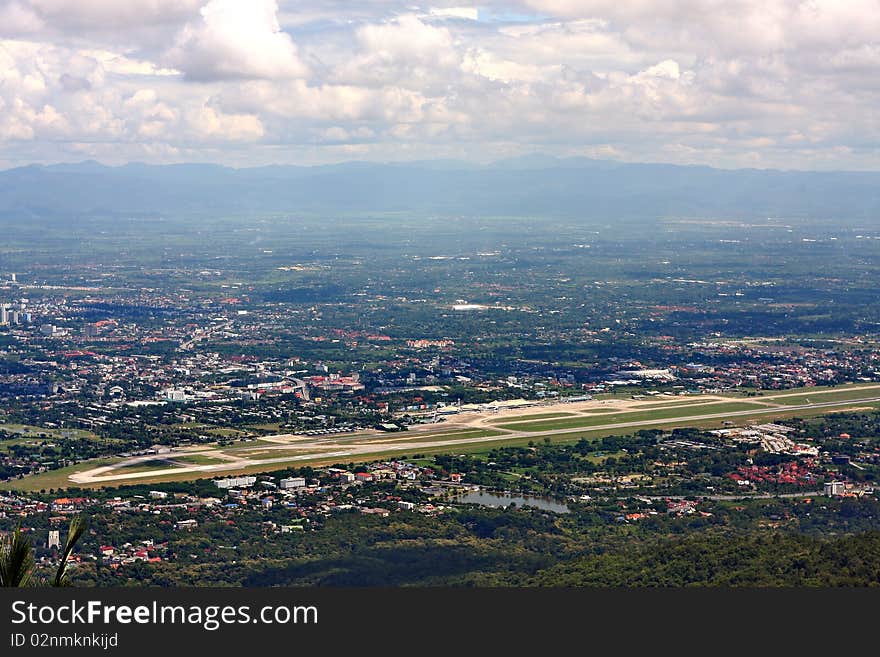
x=4, y=314
x=54, y=539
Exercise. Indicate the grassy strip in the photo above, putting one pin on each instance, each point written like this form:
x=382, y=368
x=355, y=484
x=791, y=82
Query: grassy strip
x=197, y=459
x=822, y=397
x=626, y=416
x=536, y=416
x=677, y=402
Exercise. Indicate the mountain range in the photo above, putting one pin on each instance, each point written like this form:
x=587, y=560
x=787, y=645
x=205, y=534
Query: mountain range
x=527, y=186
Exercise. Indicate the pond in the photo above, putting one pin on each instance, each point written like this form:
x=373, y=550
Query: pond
x=484, y=498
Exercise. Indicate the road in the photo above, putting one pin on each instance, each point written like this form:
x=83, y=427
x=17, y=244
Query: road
x=729, y=498
x=186, y=345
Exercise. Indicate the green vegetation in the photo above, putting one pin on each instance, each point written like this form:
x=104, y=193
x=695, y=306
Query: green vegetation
x=544, y=416
x=41, y=432
x=17, y=561
x=725, y=559
x=137, y=466
x=196, y=459
x=489, y=547
x=629, y=416
x=821, y=396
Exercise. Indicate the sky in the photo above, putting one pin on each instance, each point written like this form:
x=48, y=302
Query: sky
x=792, y=84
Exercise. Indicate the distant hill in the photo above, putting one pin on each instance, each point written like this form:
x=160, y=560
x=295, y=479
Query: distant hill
x=531, y=185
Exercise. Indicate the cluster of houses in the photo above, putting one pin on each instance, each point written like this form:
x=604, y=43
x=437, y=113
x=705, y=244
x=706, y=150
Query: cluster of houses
x=773, y=438
x=129, y=553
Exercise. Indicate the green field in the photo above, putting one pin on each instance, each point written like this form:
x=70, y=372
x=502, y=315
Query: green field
x=55, y=478
x=145, y=466
x=247, y=444
x=819, y=396
x=6, y=445
x=225, y=432
x=275, y=453
x=30, y=435
x=41, y=432
x=676, y=402
x=537, y=416
x=273, y=426
x=197, y=459
x=464, y=433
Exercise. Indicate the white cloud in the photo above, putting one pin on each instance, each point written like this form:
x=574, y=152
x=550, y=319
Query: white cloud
x=339, y=135
x=121, y=65
x=17, y=18
x=731, y=26
x=208, y=122
x=668, y=69
x=491, y=66
x=406, y=40
x=329, y=102
x=113, y=14
x=467, y=13
x=234, y=39
x=765, y=82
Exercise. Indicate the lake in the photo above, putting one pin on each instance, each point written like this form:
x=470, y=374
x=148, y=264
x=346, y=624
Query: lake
x=505, y=500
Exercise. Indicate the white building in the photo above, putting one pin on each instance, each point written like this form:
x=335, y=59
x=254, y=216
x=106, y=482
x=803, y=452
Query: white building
x=834, y=488
x=658, y=374
x=293, y=482
x=235, y=482
x=174, y=395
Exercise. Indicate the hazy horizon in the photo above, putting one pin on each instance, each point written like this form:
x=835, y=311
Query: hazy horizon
x=533, y=160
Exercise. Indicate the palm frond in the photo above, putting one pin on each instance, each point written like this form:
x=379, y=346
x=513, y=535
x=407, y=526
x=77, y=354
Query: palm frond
x=16, y=560
x=78, y=526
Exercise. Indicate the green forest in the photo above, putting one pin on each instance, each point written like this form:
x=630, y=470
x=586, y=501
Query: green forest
x=764, y=543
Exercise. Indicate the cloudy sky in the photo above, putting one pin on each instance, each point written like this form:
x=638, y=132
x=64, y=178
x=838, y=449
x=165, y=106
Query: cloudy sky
x=765, y=83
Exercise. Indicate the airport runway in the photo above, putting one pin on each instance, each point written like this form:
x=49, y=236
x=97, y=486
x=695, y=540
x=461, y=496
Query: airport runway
x=330, y=447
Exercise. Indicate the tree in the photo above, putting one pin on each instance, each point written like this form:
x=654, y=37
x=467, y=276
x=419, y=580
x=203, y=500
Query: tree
x=17, y=556
x=16, y=560
x=78, y=526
